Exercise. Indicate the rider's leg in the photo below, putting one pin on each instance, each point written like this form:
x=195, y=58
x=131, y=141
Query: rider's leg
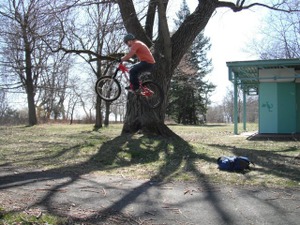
x=136, y=70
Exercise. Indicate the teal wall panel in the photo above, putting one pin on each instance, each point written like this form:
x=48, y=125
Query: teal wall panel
x=268, y=108
x=286, y=100
x=298, y=107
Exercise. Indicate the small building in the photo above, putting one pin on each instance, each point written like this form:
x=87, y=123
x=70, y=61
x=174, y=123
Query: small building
x=277, y=84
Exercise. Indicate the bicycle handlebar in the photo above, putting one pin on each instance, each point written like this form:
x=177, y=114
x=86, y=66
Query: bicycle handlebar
x=111, y=59
x=103, y=58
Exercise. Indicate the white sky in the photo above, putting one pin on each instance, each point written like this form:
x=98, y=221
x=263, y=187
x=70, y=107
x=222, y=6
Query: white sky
x=229, y=34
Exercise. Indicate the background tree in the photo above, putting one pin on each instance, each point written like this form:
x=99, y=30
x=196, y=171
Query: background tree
x=188, y=95
x=223, y=113
x=3, y=106
x=97, y=34
x=215, y=114
x=252, y=109
x=23, y=24
x=228, y=105
x=8, y=115
x=279, y=35
x=52, y=87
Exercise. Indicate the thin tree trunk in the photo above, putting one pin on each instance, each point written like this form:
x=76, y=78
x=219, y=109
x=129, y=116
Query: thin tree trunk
x=30, y=90
x=107, y=112
x=98, y=122
x=32, y=119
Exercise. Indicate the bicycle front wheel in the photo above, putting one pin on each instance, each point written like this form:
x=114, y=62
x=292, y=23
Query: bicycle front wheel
x=152, y=95
x=108, y=88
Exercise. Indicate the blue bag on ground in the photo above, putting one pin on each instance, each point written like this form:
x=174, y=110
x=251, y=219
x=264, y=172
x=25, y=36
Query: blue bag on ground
x=234, y=163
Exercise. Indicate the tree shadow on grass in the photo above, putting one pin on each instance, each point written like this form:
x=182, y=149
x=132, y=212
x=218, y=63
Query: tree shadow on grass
x=269, y=162
x=173, y=154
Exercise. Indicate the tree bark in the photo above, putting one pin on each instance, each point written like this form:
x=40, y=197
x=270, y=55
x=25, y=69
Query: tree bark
x=140, y=118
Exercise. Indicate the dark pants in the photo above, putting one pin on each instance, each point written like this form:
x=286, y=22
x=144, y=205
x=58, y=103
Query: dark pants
x=136, y=70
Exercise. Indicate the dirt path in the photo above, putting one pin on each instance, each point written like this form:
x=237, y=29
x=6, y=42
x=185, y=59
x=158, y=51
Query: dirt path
x=119, y=200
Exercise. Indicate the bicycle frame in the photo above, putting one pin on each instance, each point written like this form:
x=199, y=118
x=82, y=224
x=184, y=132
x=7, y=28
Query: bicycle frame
x=125, y=71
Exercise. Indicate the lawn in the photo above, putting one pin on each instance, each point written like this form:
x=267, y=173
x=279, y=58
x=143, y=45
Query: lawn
x=80, y=150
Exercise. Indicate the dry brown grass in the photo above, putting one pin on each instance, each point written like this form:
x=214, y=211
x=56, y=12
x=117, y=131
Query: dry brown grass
x=79, y=149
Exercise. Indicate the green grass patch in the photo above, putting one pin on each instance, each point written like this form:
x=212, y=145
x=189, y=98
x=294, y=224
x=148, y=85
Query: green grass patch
x=29, y=218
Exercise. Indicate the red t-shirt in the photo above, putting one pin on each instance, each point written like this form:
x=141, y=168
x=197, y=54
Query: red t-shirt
x=141, y=50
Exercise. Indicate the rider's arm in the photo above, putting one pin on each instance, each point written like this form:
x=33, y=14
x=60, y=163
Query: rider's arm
x=129, y=55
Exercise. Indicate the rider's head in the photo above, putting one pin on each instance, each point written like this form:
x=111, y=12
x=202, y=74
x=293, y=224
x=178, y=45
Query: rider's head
x=128, y=38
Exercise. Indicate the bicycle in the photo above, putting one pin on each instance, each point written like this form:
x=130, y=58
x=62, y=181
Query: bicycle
x=108, y=88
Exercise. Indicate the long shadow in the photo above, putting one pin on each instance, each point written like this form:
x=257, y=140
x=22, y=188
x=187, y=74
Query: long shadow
x=202, y=125
x=274, y=137
x=177, y=153
x=140, y=150
x=270, y=162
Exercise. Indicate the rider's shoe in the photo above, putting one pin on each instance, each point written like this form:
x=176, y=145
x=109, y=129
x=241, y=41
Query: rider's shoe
x=127, y=88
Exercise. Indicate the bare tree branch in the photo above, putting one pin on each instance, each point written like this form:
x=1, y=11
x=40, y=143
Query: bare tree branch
x=239, y=6
x=149, y=25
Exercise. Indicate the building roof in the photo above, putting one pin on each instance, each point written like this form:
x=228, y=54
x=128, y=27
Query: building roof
x=246, y=73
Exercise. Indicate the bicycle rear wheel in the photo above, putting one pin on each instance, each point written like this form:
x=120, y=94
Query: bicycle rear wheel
x=152, y=95
x=108, y=88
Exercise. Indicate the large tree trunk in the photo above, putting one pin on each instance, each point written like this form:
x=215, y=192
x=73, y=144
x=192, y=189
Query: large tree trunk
x=168, y=51
x=139, y=118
